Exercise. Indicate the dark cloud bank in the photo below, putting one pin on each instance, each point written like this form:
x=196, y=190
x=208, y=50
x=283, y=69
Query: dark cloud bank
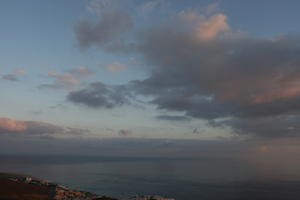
x=200, y=67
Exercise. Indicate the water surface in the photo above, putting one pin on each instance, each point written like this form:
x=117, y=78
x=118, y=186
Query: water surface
x=183, y=179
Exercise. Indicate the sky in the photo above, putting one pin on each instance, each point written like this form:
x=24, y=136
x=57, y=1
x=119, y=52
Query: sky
x=163, y=72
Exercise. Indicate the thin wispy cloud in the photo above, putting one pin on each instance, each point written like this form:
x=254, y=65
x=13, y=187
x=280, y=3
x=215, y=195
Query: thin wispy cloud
x=69, y=80
x=115, y=67
x=61, y=81
x=81, y=72
x=147, y=8
x=19, y=71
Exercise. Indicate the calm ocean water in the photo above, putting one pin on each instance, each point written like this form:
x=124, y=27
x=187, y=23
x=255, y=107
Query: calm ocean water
x=183, y=179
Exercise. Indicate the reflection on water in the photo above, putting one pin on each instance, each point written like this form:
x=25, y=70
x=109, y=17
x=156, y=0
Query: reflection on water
x=184, y=179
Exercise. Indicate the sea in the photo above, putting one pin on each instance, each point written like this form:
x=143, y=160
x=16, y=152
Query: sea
x=179, y=178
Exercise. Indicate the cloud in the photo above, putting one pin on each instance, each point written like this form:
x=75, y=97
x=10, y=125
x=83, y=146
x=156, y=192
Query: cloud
x=100, y=6
x=81, y=72
x=199, y=66
x=75, y=131
x=173, y=118
x=13, y=77
x=98, y=95
x=9, y=77
x=19, y=71
x=115, y=67
x=148, y=7
x=12, y=125
x=196, y=68
x=35, y=128
x=203, y=27
x=111, y=27
x=125, y=132
x=61, y=81
x=273, y=126
x=212, y=27
x=222, y=77
x=196, y=131
x=68, y=80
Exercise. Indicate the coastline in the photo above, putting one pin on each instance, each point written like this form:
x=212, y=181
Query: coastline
x=25, y=187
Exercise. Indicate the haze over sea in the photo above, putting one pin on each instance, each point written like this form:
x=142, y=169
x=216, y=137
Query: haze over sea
x=183, y=179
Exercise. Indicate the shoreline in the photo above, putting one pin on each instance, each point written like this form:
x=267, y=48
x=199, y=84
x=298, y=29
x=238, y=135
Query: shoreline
x=26, y=187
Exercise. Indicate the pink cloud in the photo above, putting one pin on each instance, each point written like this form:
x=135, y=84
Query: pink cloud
x=212, y=27
x=36, y=128
x=18, y=71
x=12, y=125
x=206, y=28
x=115, y=67
x=282, y=89
x=65, y=78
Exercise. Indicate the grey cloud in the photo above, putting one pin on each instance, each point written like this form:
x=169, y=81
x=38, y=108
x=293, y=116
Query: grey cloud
x=76, y=131
x=242, y=79
x=173, y=118
x=273, y=126
x=215, y=73
x=98, y=95
x=196, y=131
x=41, y=128
x=195, y=106
x=225, y=71
x=111, y=27
x=125, y=132
x=10, y=77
